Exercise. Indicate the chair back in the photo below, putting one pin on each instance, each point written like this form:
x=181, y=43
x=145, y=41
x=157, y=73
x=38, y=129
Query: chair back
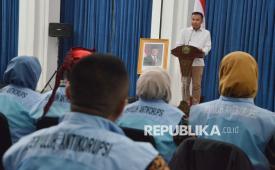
x=5, y=137
x=138, y=135
x=270, y=152
x=46, y=122
x=205, y=154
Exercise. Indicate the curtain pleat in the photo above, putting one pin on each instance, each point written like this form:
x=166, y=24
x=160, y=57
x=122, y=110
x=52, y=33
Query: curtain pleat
x=9, y=18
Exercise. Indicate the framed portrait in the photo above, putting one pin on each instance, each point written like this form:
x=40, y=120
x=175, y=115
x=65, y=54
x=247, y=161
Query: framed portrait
x=152, y=53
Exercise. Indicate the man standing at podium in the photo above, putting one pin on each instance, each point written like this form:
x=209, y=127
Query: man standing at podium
x=198, y=37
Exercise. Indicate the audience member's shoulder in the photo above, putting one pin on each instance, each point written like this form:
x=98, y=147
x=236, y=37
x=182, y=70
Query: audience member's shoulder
x=127, y=142
x=175, y=109
x=130, y=105
x=30, y=93
x=133, y=103
x=22, y=144
x=203, y=106
x=265, y=113
x=143, y=150
x=205, y=30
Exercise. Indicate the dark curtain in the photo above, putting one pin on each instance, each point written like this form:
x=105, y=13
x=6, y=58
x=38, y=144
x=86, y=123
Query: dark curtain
x=92, y=24
x=112, y=26
x=9, y=18
x=132, y=22
x=243, y=25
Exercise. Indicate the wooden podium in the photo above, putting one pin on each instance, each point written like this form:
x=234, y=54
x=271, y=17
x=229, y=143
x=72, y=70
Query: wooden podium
x=186, y=54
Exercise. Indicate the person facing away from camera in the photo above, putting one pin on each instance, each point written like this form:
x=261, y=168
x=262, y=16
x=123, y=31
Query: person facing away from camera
x=87, y=138
x=17, y=98
x=54, y=103
x=238, y=120
x=152, y=108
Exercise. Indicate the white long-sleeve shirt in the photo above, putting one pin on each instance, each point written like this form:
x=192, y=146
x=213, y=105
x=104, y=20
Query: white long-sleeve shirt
x=200, y=39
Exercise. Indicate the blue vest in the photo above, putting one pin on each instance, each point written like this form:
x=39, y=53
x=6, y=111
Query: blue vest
x=24, y=96
x=59, y=107
x=15, y=103
x=240, y=122
x=153, y=112
x=80, y=141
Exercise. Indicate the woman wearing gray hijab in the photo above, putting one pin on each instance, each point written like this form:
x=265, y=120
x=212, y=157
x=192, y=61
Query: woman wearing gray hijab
x=18, y=97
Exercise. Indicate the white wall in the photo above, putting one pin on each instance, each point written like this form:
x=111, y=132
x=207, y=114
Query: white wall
x=34, y=19
x=175, y=16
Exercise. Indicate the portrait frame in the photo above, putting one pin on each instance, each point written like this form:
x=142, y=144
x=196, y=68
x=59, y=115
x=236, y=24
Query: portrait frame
x=152, y=53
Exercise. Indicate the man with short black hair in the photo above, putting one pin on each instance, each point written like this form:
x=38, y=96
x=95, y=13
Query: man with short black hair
x=198, y=37
x=87, y=138
x=100, y=85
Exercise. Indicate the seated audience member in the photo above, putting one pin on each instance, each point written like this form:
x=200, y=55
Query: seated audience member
x=59, y=107
x=54, y=103
x=21, y=77
x=238, y=120
x=87, y=138
x=152, y=108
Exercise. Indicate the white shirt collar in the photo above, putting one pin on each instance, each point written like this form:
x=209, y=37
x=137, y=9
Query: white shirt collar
x=192, y=29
